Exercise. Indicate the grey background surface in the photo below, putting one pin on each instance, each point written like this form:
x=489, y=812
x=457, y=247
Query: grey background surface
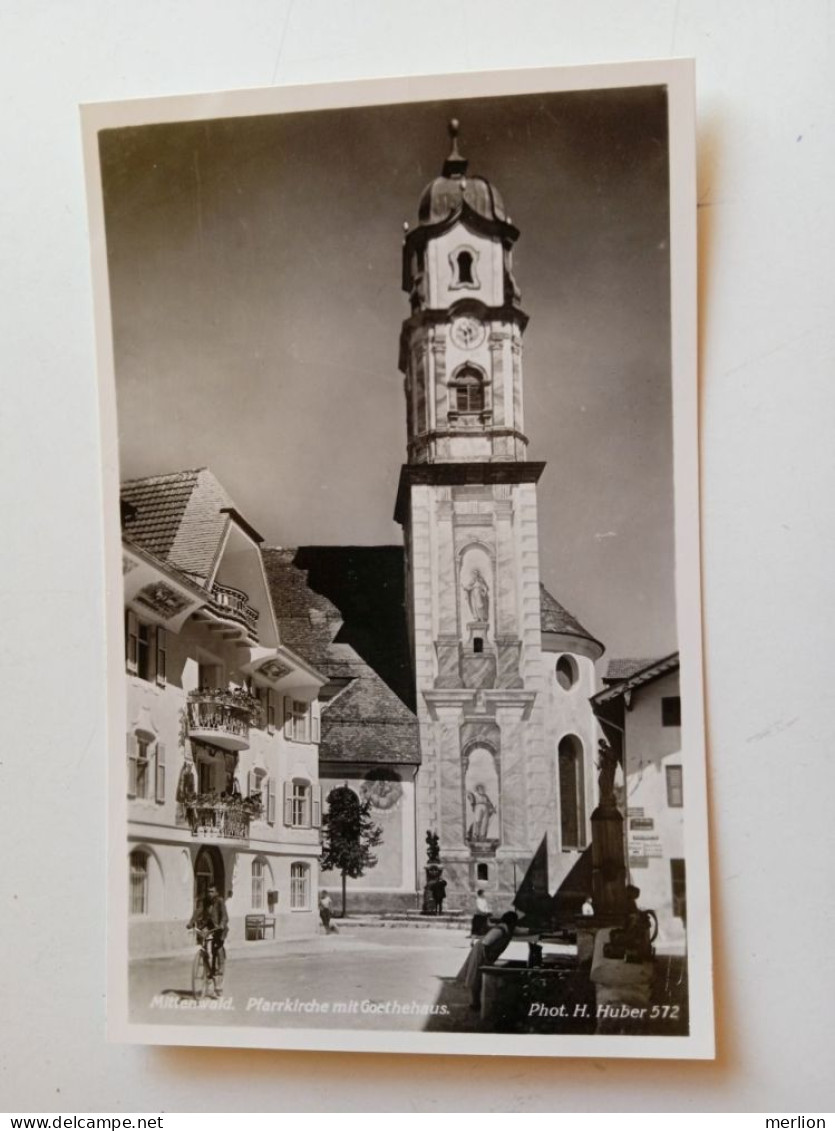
x=767, y=112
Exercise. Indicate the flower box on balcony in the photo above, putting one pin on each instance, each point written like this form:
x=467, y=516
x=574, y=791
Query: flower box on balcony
x=221, y=717
x=212, y=818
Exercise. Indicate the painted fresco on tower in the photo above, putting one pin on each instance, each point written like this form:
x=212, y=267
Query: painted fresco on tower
x=481, y=783
x=412, y=715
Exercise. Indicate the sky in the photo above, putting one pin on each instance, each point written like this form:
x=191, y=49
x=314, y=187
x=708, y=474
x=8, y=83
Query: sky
x=254, y=271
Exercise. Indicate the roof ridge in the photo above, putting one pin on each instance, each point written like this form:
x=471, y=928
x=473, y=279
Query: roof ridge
x=161, y=477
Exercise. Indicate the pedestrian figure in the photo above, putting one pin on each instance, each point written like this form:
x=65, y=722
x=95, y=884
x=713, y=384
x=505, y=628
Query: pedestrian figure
x=326, y=913
x=484, y=952
x=481, y=919
x=439, y=893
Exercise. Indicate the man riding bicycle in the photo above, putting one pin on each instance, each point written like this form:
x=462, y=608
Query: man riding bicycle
x=210, y=918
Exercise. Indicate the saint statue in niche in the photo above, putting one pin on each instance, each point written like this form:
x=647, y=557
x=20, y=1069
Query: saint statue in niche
x=478, y=596
x=482, y=813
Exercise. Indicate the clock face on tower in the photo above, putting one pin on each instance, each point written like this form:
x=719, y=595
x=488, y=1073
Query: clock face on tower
x=467, y=332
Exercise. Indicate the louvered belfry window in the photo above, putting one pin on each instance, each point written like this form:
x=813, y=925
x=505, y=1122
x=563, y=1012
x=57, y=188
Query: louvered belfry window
x=469, y=391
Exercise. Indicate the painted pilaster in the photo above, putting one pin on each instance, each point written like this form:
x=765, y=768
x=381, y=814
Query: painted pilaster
x=447, y=584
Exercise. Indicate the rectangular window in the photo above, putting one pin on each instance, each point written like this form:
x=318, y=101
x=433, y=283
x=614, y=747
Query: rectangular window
x=677, y=880
x=143, y=766
x=258, y=790
x=205, y=777
x=675, y=787
x=257, y=884
x=296, y=720
x=300, y=809
x=143, y=650
x=209, y=675
x=671, y=711
x=299, y=887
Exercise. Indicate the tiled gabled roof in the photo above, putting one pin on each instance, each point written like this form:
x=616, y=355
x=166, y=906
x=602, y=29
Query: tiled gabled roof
x=341, y=608
x=654, y=669
x=179, y=518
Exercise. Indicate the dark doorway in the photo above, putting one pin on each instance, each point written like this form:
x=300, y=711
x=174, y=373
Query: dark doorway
x=208, y=872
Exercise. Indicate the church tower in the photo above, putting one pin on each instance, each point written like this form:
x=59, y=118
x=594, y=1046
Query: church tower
x=489, y=781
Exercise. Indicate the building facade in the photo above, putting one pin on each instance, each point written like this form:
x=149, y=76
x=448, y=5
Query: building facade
x=503, y=673
x=342, y=609
x=223, y=724
x=640, y=714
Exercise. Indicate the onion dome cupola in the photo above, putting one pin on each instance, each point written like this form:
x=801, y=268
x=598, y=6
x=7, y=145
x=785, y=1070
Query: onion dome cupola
x=472, y=204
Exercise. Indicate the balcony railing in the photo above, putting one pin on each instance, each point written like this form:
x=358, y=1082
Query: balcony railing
x=213, y=819
x=233, y=604
x=221, y=718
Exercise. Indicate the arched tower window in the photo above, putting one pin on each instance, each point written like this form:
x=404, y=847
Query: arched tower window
x=463, y=261
x=465, y=267
x=469, y=390
x=572, y=807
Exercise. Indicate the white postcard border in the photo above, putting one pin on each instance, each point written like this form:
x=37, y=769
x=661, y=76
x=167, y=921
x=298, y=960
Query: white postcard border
x=678, y=77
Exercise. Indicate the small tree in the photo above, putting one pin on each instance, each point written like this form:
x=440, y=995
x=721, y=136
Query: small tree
x=348, y=836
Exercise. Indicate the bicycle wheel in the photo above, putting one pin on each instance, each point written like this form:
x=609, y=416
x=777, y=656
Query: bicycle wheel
x=219, y=967
x=201, y=975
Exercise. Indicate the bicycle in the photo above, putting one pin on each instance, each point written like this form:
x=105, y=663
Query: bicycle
x=209, y=963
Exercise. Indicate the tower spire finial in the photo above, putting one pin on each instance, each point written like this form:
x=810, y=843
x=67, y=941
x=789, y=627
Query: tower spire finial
x=455, y=165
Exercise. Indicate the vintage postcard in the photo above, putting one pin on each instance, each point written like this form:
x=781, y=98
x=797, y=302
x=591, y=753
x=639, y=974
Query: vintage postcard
x=400, y=435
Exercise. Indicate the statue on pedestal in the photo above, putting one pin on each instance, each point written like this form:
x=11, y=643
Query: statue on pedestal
x=478, y=596
x=433, y=871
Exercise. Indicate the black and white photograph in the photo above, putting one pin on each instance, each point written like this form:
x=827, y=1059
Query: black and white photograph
x=399, y=403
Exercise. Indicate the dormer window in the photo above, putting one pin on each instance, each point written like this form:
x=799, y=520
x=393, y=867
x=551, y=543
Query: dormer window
x=463, y=263
x=468, y=387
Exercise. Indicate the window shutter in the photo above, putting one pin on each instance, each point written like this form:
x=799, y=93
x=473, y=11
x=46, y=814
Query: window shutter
x=288, y=717
x=308, y=711
x=133, y=747
x=131, y=642
x=160, y=774
x=270, y=711
x=161, y=657
x=317, y=806
x=314, y=718
x=250, y=783
x=271, y=801
x=288, y=803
